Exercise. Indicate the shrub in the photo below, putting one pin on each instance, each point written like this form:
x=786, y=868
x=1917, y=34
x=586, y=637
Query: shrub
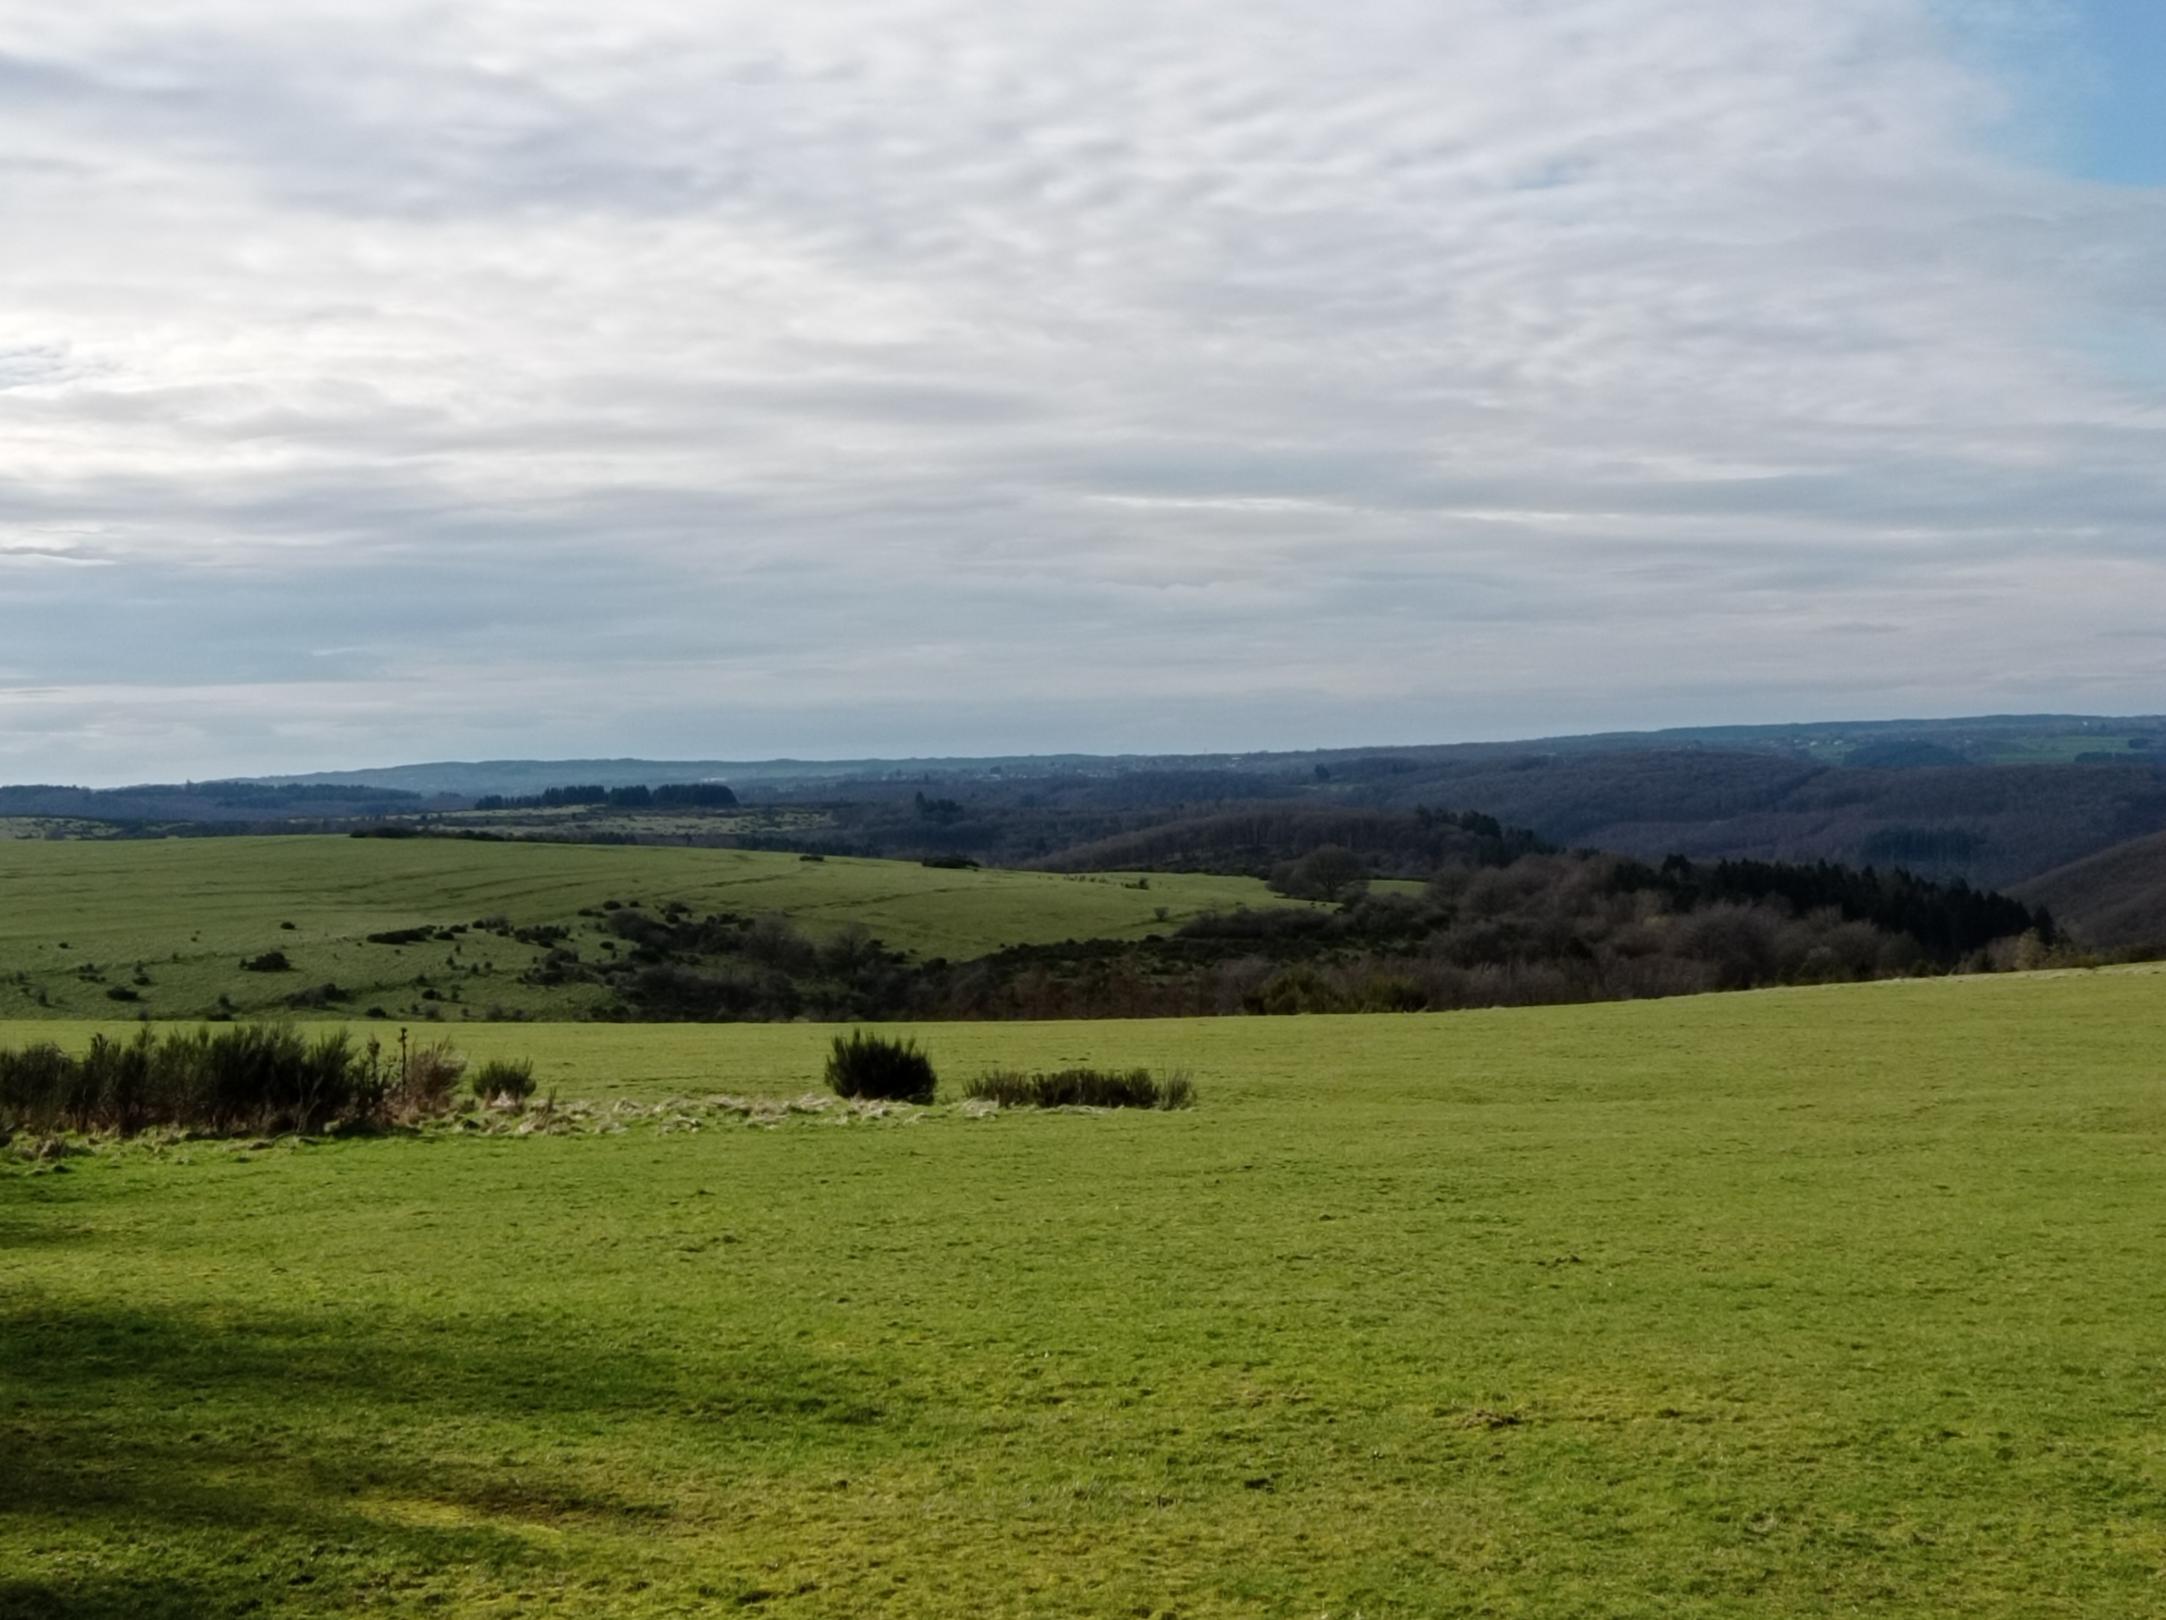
x=511, y=1078
x=268, y=962
x=241, y=1078
x=862, y=1065
x=428, y=1075
x=1083, y=1088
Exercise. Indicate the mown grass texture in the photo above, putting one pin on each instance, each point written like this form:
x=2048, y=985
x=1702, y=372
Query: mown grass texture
x=1804, y=1302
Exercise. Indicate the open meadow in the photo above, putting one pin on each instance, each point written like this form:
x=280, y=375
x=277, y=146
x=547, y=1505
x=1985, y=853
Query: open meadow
x=1799, y=1302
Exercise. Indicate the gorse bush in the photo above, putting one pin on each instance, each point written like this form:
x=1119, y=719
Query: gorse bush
x=862, y=1065
x=239, y=1078
x=1083, y=1088
x=245, y=1078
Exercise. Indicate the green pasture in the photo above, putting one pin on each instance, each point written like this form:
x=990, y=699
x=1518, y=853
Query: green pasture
x=2061, y=748
x=187, y=911
x=1809, y=1302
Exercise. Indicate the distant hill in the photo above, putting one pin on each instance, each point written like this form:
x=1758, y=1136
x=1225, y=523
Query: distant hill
x=1976, y=740
x=2115, y=899
x=1991, y=800
x=473, y=778
x=1990, y=824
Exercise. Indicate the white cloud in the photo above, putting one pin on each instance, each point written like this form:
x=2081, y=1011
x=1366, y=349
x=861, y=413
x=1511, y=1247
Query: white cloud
x=1198, y=373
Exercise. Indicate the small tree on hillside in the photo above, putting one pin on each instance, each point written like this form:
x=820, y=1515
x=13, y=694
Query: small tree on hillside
x=1331, y=872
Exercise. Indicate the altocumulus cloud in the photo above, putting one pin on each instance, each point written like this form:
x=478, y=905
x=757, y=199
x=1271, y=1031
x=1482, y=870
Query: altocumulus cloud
x=395, y=380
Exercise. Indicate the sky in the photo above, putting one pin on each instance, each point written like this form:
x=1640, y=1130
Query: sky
x=897, y=377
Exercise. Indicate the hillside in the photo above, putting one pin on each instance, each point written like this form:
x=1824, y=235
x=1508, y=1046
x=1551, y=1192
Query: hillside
x=462, y=929
x=2115, y=900
x=168, y=922
x=1989, y=824
x=1985, y=824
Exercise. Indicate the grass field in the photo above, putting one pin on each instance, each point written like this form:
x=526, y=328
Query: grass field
x=1804, y=1302
x=2061, y=748
x=189, y=910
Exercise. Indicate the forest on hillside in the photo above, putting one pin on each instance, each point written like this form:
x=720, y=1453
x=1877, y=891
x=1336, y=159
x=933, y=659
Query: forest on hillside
x=1503, y=920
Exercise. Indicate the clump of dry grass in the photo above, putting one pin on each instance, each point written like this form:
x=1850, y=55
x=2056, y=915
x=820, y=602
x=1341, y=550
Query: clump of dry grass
x=426, y=1078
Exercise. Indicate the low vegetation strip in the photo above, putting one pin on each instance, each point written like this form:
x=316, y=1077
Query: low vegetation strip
x=240, y=1079
x=1082, y=1088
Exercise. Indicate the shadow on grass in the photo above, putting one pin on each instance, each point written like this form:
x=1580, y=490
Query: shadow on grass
x=164, y=1463
x=93, y=1598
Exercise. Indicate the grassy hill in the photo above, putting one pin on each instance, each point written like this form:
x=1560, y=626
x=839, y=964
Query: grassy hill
x=2115, y=900
x=1794, y=1303
x=190, y=911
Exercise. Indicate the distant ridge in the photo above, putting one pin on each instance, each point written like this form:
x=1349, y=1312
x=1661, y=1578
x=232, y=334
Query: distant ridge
x=1977, y=739
x=2115, y=899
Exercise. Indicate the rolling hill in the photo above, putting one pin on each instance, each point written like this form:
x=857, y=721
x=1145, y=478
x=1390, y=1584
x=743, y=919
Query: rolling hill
x=169, y=922
x=2115, y=900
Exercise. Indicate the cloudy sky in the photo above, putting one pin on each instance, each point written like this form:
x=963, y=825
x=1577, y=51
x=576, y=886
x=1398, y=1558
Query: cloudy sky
x=391, y=381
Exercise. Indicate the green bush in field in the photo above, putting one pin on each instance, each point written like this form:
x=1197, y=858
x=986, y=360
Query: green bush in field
x=862, y=1065
x=1083, y=1088
x=511, y=1078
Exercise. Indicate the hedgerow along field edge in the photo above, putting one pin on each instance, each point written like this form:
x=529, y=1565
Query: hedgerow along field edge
x=1787, y=1303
